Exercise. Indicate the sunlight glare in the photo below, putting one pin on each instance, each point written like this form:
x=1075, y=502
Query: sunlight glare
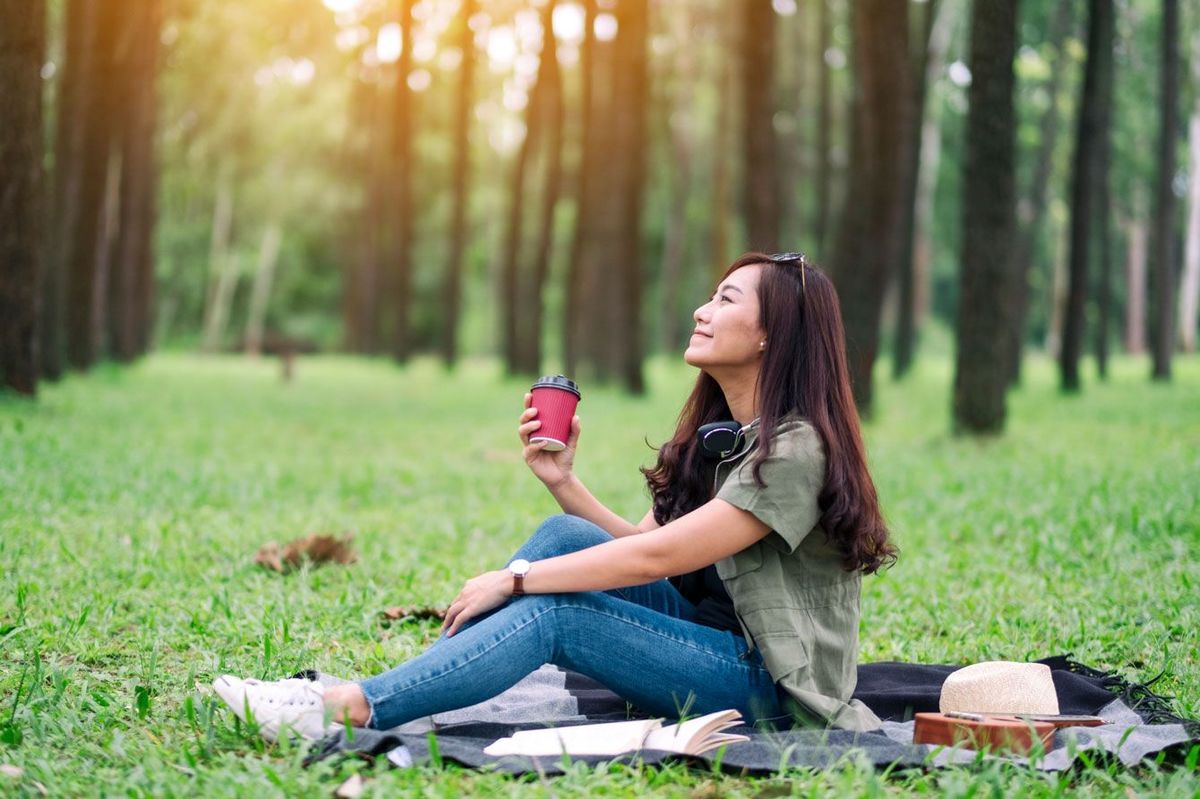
x=419, y=80
x=351, y=38
x=389, y=43
x=303, y=71
x=605, y=27
x=568, y=22
x=342, y=6
x=501, y=47
x=424, y=49
x=507, y=136
x=529, y=29
x=960, y=74
x=515, y=97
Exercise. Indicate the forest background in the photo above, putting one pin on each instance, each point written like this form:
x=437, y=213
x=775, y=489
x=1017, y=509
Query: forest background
x=440, y=176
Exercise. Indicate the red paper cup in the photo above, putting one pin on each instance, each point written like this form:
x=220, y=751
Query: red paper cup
x=555, y=398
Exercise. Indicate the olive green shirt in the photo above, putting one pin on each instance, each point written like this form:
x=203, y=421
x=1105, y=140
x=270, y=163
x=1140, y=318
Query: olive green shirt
x=796, y=603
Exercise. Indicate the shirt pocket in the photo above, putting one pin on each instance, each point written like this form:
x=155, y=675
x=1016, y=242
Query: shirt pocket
x=748, y=560
x=783, y=636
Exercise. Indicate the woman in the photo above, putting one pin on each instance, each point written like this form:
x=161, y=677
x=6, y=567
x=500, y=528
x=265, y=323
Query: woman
x=771, y=534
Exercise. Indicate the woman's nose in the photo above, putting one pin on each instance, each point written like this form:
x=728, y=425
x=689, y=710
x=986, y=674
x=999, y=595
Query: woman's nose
x=700, y=313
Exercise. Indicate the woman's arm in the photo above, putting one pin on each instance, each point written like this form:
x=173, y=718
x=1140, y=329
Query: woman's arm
x=713, y=531
x=574, y=498
x=556, y=471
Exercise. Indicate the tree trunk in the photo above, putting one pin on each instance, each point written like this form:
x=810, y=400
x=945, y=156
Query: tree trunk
x=725, y=78
x=1162, y=234
x=760, y=173
x=515, y=287
x=980, y=376
x=573, y=326
x=264, y=274
x=927, y=169
x=1058, y=297
x=64, y=216
x=824, y=174
x=1103, y=205
x=357, y=150
x=600, y=225
x=905, y=338
x=868, y=240
x=632, y=80
x=452, y=287
x=375, y=275
x=402, y=183
x=131, y=288
x=1086, y=182
x=145, y=204
x=1031, y=209
x=1135, y=283
x=794, y=148
x=85, y=280
x=675, y=235
x=22, y=51
x=550, y=110
x=219, y=263
x=1189, y=285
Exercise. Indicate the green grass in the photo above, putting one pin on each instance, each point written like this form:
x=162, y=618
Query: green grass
x=132, y=501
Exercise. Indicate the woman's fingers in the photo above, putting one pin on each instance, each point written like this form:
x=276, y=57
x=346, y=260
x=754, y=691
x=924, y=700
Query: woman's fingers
x=528, y=398
x=457, y=613
x=526, y=429
x=527, y=424
x=451, y=613
x=462, y=613
x=573, y=436
x=532, y=450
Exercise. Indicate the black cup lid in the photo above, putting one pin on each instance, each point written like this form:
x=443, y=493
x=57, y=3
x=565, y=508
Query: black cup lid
x=558, y=381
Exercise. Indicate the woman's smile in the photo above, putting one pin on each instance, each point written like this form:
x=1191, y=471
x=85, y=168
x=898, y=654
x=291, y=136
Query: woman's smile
x=732, y=312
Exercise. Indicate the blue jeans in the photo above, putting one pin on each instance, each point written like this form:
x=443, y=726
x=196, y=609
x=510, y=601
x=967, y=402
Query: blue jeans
x=641, y=642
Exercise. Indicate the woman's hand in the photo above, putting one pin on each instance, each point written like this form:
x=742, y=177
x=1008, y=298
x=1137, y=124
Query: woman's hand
x=480, y=594
x=552, y=468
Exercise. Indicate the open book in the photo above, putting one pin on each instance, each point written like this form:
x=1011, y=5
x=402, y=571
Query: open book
x=693, y=737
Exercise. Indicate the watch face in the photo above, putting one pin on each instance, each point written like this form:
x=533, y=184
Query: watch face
x=520, y=566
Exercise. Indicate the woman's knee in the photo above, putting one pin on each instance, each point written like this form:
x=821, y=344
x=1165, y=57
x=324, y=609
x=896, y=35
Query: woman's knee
x=561, y=534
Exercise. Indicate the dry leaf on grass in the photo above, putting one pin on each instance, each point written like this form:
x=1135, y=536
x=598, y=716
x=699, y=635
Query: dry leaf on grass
x=352, y=788
x=413, y=612
x=10, y=770
x=315, y=548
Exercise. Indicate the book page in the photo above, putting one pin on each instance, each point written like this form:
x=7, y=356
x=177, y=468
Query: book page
x=588, y=739
x=697, y=735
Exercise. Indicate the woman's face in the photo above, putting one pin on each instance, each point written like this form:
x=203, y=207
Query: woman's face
x=728, y=331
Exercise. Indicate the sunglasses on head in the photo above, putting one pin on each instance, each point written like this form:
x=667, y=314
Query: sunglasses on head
x=796, y=258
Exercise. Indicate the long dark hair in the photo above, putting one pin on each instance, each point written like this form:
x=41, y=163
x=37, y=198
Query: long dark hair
x=804, y=373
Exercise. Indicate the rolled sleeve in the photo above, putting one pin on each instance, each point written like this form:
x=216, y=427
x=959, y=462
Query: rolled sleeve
x=794, y=475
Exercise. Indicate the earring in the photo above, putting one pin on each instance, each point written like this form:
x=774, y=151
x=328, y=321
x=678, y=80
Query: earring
x=762, y=345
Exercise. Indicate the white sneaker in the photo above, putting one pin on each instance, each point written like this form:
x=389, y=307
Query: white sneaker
x=293, y=704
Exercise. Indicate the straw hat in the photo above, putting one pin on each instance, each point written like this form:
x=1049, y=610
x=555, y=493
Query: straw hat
x=1000, y=686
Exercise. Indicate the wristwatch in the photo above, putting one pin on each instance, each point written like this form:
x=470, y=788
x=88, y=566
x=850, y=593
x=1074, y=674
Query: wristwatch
x=519, y=568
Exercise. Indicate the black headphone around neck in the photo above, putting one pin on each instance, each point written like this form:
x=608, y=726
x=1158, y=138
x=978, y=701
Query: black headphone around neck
x=720, y=439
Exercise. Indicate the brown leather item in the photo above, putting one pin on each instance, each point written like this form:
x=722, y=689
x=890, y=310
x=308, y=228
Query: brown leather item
x=518, y=585
x=1007, y=734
